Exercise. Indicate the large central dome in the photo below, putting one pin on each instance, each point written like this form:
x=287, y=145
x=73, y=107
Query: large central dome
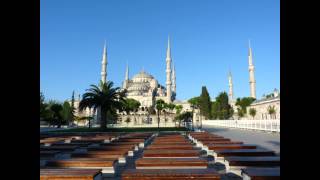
x=142, y=77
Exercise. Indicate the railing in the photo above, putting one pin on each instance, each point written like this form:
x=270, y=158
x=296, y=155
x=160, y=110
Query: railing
x=131, y=125
x=264, y=125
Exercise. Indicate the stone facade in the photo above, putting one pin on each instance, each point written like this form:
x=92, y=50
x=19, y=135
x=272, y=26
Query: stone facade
x=262, y=106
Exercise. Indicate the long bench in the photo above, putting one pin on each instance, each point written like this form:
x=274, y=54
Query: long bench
x=169, y=174
x=261, y=173
x=171, y=163
x=172, y=147
x=106, y=164
x=235, y=164
x=120, y=155
x=70, y=174
x=171, y=154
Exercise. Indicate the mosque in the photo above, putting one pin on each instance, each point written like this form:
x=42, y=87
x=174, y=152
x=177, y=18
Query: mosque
x=144, y=88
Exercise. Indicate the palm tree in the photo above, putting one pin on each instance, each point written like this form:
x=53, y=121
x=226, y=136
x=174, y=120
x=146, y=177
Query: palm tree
x=159, y=106
x=271, y=111
x=252, y=112
x=106, y=97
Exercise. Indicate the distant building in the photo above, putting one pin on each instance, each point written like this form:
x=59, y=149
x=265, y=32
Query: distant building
x=261, y=106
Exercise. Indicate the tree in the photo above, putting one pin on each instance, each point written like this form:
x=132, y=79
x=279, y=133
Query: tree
x=67, y=112
x=271, y=110
x=205, y=103
x=215, y=108
x=224, y=108
x=108, y=98
x=240, y=113
x=252, y=112
x=159, y=106
x=131, y=105
x=128, y=120
x=195, y=103
x=178, y=108
x=72, y=106
x=56, y=109
x=244, y=103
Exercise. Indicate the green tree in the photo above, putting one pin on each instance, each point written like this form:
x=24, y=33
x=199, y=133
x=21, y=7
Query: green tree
x=73, y=109
x=128, y=120
x=224, y=108
x=205, y=103
x=215, y=109
x=131, y=105
x=159, y=106
x=67, y=112
x=178, y=108
x=108, y=98
x=56, y=109
x=240, y=113
x=243, y=103
x=271, y=111
x=252, y=112
x=194, y=103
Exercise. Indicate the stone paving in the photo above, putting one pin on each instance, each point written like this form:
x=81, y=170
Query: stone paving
x=265, y=140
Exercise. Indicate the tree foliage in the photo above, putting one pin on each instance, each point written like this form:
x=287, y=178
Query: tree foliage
x=243, y=103
x=205, y=103
x=252, y=112
x=106, y=97
x=160, y=104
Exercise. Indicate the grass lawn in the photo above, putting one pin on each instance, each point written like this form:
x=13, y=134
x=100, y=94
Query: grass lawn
x=144, y=129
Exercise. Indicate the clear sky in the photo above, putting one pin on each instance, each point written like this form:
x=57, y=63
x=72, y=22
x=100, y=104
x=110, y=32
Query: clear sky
x=208, y=37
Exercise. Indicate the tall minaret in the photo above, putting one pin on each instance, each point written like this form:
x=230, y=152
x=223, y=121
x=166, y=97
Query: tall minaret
x=104, y=64
x=173, y=78
x=252, y=80
x=168, y=71
x=127, y=73
x=126, y=79
x=230, y=87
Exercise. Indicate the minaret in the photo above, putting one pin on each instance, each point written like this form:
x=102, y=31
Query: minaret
x=252, y=80
x=168, y=71
x=126, y=79
x=104, y=64
x=173, y=78
x=230, y=87
x=127, y=73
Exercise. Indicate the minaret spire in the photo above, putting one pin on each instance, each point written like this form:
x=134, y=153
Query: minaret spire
x=173, y=78
x=104, y=64
x=230, y=87
x=252, y=80
x=127, y=72
x=168, y=72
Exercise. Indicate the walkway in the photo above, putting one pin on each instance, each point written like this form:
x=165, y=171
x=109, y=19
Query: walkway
x=266, y=140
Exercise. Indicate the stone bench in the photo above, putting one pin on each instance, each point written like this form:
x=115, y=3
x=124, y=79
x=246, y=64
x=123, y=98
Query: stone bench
x=106, y=164
x=172, y=143
x=169, y=174
x=70, y=174
x=219, y=155
x=171, y=163
x=236, y=163
x=261, y=173
x=171, y=154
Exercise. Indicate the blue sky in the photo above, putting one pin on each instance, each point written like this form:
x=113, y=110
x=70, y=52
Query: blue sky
x=207, y=38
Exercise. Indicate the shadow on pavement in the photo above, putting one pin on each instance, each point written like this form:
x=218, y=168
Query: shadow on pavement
x=274, y=143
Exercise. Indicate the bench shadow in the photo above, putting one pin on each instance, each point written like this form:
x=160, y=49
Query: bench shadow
x=275, y=143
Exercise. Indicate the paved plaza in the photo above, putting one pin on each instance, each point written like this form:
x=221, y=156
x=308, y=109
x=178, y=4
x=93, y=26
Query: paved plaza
x=265, y=140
